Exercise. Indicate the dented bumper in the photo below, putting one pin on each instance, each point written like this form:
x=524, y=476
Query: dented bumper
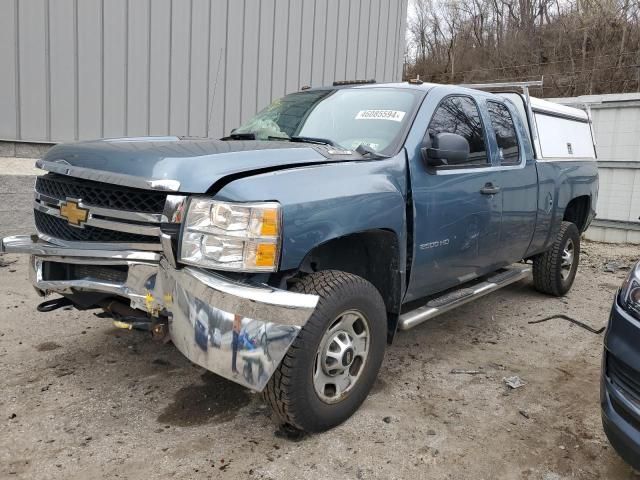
x=237, y=330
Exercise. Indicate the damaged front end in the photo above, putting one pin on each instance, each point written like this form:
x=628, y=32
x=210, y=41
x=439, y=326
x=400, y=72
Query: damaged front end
x=236, y=330
x=106, y=242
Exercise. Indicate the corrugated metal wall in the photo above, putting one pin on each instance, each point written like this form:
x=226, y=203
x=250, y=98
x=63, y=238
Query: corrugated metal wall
x=616, y=125
x=80, y=69
x=617, y=128
x=618, y=205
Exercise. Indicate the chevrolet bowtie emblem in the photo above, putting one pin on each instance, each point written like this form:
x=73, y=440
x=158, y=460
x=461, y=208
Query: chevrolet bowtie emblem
x=73, y=213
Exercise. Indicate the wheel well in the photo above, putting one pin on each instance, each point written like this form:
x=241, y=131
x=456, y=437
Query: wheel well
x=373, y=255
x=577, y=212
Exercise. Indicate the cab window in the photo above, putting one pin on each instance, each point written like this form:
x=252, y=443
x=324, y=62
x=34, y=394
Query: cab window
x=460, y=115
x=505, y=131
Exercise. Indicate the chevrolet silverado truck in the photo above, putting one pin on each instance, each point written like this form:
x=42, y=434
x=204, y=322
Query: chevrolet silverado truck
x=286, y=256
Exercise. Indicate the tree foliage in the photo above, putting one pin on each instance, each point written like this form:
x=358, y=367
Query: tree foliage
x=579, y=46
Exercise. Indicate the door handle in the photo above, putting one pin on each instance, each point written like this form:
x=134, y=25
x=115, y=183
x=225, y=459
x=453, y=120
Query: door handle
x=489, y=189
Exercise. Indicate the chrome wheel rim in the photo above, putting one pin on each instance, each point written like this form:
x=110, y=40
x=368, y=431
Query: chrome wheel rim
x=341, y=356
x=568, y=255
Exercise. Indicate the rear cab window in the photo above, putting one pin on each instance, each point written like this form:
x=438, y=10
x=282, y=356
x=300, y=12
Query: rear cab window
x=505, y=132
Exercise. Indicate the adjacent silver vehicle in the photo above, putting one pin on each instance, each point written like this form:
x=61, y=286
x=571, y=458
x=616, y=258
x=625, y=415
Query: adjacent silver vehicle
x=286, y=256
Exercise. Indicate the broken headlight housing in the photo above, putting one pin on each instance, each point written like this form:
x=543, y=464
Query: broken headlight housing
x=241, y=237
x=630, y=292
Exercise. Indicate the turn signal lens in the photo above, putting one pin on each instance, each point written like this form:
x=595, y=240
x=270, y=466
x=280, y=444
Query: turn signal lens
x=269, y=223
x=265, y=255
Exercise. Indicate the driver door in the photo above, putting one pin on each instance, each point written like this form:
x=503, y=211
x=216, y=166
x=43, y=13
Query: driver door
x=457, y=208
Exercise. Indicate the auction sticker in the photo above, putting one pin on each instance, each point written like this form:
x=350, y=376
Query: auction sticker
x=394, y=115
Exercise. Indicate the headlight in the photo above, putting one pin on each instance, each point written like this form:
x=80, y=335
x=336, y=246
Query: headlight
x=630, y=292
x=231, y=236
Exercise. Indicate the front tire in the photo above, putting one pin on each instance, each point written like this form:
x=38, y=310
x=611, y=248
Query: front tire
x=555, y=270
x=334, y=361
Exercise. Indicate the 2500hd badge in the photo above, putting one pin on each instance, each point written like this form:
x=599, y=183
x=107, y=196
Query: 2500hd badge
x=437, y=243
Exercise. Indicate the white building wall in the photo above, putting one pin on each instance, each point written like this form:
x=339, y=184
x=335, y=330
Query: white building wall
x=616, y=125
x=81, y=69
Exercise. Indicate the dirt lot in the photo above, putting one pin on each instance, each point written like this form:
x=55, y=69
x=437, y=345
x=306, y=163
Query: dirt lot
x=80, y=399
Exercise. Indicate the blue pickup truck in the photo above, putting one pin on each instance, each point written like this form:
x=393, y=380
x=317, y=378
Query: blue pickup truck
x=286, y=256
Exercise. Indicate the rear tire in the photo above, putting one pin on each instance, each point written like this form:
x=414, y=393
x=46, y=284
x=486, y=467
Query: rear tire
x=555, y=270
x=342, y=342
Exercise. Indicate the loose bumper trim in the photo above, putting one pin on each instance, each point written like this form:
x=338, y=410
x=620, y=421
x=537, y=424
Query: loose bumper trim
x=239, y=331
x=35, y=245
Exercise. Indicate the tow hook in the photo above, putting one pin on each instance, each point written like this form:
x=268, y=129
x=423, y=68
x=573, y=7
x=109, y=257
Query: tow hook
x=160, y=330
x=54, y=304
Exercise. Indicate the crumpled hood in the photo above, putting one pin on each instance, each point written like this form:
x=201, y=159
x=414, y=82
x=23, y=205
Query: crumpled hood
x=196, y=163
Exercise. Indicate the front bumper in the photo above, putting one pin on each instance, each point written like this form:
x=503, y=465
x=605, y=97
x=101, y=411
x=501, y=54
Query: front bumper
x=239, y=331
x=620, y=385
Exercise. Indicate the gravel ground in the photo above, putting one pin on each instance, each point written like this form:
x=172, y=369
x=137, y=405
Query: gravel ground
x=16, y=200
x=80, y=399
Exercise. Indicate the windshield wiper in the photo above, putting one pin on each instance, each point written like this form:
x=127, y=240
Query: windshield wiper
x=240, y=136
x=319, y=141
x=252, y=136
x=365, y=150
x=298, y=139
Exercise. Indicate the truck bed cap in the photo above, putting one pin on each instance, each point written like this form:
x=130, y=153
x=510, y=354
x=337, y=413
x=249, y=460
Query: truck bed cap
x=545, y=106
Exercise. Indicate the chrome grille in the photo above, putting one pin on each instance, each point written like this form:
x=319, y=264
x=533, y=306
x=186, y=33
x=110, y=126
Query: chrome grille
x=101, y=194
x=59, y=228
x=117, y=215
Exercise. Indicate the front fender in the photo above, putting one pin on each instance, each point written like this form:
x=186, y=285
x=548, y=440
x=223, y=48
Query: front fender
x=324, y=202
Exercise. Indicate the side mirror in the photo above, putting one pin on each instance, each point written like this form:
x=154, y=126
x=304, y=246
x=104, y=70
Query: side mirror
x=446, y=149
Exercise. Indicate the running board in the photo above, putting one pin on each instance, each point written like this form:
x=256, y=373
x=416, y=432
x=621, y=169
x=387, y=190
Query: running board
x=449, y=301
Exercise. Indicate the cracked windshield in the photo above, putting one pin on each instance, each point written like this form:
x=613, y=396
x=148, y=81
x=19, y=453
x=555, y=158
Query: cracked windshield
x=372, y=118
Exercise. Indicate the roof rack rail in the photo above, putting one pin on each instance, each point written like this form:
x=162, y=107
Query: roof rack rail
x=338, y=83
x=501, y=85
